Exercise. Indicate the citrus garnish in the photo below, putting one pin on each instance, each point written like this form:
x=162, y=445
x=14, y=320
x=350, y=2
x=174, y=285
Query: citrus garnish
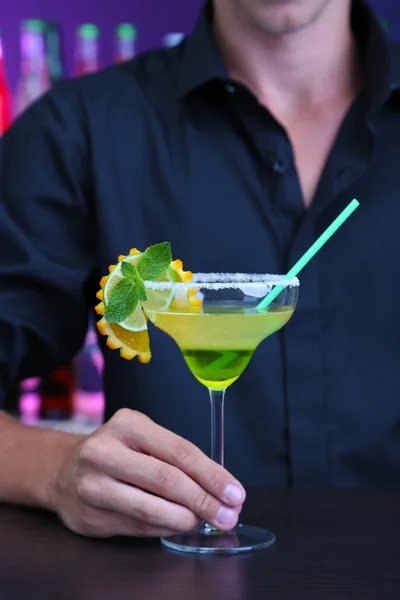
x=128, y=343
x=136, y=321
x=124, y=298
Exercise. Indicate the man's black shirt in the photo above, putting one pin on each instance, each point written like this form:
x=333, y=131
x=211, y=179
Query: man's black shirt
x=167, y=147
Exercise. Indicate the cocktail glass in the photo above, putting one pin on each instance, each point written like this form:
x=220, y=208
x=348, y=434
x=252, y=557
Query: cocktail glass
x=217, y=322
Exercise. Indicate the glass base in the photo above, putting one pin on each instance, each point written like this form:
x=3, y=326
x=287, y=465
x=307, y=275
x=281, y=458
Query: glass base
x=206, y=540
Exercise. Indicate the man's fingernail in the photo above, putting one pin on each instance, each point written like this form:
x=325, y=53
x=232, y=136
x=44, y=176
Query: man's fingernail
x=233, y=494
x=225, y=516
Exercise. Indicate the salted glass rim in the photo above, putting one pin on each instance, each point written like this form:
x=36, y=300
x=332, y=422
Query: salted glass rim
x=224, y=281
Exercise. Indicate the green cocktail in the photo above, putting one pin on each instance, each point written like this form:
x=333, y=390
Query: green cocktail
x=218, y=343
x=217, y=322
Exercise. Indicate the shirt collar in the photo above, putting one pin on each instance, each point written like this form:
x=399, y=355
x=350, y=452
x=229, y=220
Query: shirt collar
x=201, y=61
x=381, y=57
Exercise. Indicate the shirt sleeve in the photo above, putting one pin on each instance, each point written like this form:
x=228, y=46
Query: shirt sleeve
x=47, y=240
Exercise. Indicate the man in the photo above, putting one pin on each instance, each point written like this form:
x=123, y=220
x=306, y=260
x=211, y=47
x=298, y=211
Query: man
x=240, y=146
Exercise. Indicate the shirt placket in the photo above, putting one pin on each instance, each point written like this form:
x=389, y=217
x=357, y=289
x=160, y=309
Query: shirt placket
x=305, y=405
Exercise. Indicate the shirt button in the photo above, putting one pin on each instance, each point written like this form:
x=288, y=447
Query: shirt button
x=279, y=167
x=230, y=88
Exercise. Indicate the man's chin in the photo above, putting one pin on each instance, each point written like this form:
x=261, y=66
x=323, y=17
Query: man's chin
x=285, y=18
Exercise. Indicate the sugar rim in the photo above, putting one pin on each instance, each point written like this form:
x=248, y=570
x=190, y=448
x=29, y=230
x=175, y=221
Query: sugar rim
x=225, y=281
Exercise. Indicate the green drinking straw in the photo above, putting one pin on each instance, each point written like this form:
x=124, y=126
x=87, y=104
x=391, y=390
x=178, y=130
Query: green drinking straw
x=311, y=252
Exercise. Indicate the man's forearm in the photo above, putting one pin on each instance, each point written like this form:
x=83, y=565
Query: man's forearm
x=30, y=460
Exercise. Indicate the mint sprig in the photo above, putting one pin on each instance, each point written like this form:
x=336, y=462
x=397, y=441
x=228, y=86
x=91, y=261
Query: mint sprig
x=128, y=292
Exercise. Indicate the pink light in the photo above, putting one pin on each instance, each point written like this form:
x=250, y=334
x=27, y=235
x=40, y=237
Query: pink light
x=29, y=405
x=89, y=403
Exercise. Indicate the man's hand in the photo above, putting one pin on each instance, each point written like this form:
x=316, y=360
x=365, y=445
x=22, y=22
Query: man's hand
x=134, y=478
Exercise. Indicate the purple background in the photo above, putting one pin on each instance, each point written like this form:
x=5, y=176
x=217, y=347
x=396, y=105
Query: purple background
x=153, y=19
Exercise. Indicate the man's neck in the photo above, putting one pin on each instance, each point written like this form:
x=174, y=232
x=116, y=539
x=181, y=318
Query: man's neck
x=310, y=67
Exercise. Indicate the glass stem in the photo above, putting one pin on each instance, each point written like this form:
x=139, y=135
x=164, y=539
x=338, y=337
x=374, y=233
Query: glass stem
x=217, y=425
x=217, y=398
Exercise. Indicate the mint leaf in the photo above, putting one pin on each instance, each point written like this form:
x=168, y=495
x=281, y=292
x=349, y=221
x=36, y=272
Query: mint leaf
x=141, y=291
x=122, y=302
x=138, y=281
x=131, y=273
x=128, y=270
x=155, y=261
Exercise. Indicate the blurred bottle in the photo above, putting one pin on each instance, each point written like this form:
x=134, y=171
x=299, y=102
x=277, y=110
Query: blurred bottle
x=126, y=35
x=55, y=63
x=34, y=78
x=29, y=400
x=56, y=391
x=88, y=368
x=87, y=50
x=172, y=39
x=5, y=94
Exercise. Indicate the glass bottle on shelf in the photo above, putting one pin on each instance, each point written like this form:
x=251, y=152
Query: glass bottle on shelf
x=126, y=35
x=87, y=50
x=5, y=94
x=34, y=80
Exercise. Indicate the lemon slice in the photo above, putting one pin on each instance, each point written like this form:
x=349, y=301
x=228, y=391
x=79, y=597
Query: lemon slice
x=116, y=272
x=136, y=321
x=160, y=299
